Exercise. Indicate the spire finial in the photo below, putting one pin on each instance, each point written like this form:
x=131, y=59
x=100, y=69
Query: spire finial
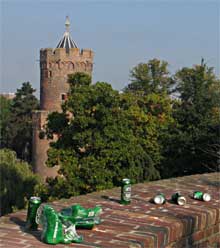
x=67, y=24
x=66, y=41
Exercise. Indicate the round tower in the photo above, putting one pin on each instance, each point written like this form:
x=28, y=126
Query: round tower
x=55, y=66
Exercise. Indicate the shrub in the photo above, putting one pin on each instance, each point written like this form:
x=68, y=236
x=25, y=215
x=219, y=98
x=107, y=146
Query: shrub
x=17, y=182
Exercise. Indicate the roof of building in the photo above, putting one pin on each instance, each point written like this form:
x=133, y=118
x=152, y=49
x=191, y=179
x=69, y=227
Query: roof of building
x=140, y=224
x=8, y=95
x=67, y=41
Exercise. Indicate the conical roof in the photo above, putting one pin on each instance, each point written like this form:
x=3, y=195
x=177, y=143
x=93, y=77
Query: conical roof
x=66, y=41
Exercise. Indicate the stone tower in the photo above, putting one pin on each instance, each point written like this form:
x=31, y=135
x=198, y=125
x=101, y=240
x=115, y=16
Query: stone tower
x=55, y=66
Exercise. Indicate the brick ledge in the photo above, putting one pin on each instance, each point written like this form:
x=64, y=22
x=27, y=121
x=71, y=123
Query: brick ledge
x=140, y=224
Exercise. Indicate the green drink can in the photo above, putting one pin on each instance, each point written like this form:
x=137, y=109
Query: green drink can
x=33, y=205
x=198, y=195
x=126, y=191
x=159, y=199
x=178, y=199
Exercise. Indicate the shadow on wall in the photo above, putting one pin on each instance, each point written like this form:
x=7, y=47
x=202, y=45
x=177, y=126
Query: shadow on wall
x=21, y=223
x=211, y=183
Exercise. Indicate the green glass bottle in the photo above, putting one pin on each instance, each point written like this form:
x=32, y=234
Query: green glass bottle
x=33, y=205
x=126, y=191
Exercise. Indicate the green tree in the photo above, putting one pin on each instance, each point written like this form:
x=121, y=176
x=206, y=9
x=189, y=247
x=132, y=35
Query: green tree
x=150, y=77
x=4, y=120
x=19, y=128
x=17, y=182
x=193, y=143
x=106, y=136
x=152, y=84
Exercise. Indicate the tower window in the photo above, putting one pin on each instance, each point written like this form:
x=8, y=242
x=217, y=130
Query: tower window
x=63, y=97
x=50, y=73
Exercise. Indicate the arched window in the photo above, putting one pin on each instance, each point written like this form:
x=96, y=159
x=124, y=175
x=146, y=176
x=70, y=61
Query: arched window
x=71, y=66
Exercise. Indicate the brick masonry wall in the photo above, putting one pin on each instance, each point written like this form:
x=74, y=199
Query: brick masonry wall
x=55, y=66
x=40, y=146
x=140, y=224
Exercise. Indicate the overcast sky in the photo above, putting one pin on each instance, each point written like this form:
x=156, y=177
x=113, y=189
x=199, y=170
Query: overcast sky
x=121, y=33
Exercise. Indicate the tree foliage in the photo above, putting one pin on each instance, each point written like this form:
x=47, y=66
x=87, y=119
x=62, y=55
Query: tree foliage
x=4, y=120
x=193, y=144
x=104, y=137
x=17, y=182
x=150, y=77
x=17, y=134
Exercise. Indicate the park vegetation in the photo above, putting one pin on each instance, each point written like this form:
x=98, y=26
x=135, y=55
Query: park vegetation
x=17, y=182
x=16, y=121
x=159, y=126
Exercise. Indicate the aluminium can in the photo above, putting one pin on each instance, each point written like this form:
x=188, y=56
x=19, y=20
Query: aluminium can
x=198, y=195
x=125, y=191
x=33, y=205
x=178, y=199
x=159, y=199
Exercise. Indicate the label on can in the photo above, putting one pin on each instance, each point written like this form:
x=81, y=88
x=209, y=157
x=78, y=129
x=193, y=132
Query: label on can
x=126, y=191
x=178, y=199
x=198, y=195
x=175, y=196
x=33, y=206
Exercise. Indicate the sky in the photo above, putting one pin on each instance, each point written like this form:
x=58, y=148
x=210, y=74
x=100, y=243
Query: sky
x=122, y=33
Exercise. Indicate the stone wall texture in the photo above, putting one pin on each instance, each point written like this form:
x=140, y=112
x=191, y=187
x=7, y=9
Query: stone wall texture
x=140, y=224
x=40, y=146
x=55, y=66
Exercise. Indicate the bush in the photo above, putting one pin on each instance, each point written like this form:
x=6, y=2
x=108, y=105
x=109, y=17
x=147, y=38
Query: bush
x=17, y=182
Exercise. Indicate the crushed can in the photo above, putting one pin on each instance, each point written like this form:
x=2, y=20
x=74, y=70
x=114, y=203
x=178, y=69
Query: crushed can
x=82, y=217
x=56, y=228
